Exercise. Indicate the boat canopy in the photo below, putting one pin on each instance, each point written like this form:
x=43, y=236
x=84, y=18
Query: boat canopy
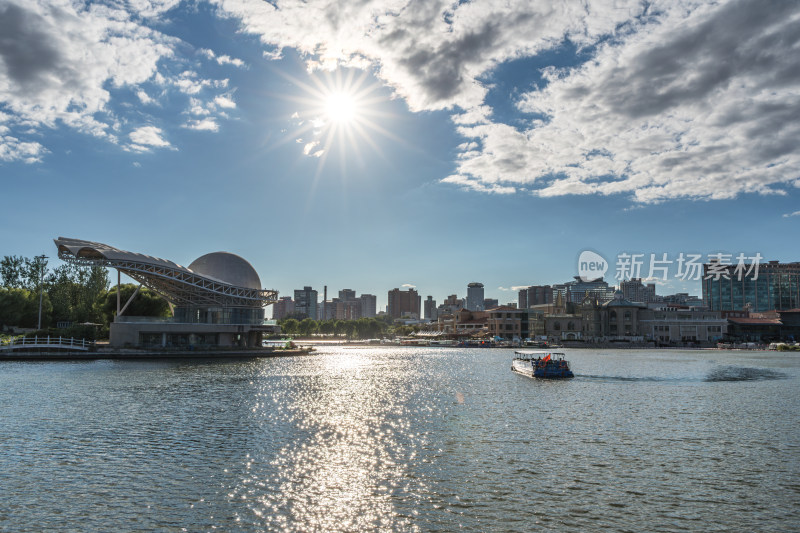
x=533, y=354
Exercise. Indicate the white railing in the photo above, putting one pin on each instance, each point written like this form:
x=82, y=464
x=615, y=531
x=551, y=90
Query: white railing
x=46, y=342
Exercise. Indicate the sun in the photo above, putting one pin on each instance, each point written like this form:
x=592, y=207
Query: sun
x=343, y=111
x=340, y=107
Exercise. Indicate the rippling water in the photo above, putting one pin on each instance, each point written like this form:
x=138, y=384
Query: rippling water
x=404, y=439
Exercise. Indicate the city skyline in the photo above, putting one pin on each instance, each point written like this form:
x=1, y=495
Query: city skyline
x=386, y=145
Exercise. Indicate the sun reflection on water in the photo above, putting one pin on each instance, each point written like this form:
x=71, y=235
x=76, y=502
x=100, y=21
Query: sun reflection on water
x=347, y=461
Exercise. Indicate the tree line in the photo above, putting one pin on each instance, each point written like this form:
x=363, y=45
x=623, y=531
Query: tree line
x=362, y=328
x=70, y=293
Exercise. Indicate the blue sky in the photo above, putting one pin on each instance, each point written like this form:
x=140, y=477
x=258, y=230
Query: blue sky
x=469, y=141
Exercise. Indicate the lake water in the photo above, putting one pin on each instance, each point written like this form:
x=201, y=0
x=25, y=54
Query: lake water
x=403, y=439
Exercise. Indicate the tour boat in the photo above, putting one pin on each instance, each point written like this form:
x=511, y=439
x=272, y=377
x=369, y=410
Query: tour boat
x=541, y=364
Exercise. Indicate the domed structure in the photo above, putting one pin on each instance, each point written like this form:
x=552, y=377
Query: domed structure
x=227, y=267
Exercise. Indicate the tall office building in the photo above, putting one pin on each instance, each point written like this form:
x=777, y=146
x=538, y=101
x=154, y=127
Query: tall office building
x=771, y=286
x=283, y=308
x=430, y=308
x=369, y=305
x=475, y=297
x=535, y=295
x=346, y=295
x=635, y=291
x=576, y=291
x=403, y=303
x=305, y=302
x=491, y=303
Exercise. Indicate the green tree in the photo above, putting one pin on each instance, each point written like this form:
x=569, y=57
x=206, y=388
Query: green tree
x=11, y=271
x=289, y=326
x=78, y=293
x=350, y=329
x=326, y=327
x=146, y=303
x=339, y=327
x=307, y=327
x=20, y=308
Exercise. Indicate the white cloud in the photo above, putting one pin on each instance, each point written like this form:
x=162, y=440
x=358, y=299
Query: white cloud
x=144, y=97
x=307, y=149
x=702, y=105
x=679, y=98
x=61, y=62
x=205, y=124
x=794, y=214
x=12, y=149
x=408, y=286
x=223, y=59
x=225, y=101
x=147, y=137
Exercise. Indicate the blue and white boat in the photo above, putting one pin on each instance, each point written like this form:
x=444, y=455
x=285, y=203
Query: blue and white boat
x=541, y=364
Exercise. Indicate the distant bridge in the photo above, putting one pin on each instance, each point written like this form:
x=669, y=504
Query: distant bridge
x=46, y=343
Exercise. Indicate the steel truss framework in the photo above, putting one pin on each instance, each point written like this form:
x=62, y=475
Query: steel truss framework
x=178, y=285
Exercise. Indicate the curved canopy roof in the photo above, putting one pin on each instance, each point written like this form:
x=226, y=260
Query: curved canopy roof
x=179, y=285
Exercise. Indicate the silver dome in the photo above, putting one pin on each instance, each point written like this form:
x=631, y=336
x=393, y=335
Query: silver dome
x=227, y=267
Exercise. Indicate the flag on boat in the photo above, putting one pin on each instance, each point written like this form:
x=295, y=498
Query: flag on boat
x=546, y=358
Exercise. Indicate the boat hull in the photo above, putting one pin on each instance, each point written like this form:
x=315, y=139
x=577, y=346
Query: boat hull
x=542, y=371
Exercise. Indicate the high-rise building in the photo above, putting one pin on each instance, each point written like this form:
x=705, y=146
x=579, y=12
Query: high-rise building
x=635, y=291
x=346, y=295
x=535, y=295
x=305, y=302
x=403, y=303
x=369, y=305
x=475, y=296
x=451, y=305
x=430, y=308
x=283, y=308
x=491, y=303
x=576, y=291
x=770, y=286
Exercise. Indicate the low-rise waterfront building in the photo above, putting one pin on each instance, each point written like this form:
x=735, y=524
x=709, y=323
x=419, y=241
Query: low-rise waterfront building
x=682, y=326
x=217, y=300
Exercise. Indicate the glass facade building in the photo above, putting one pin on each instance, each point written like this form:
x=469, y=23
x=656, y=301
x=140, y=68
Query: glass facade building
x=772, y=286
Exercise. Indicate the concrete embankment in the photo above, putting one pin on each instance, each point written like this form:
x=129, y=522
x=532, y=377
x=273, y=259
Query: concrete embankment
x=130, y=354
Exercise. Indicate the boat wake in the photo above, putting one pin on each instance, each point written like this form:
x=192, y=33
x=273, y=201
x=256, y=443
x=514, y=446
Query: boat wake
x=622, y=378
x=739, y=373
x=721, y=373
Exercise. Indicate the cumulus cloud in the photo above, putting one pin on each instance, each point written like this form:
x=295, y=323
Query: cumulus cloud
x=678, y=98
x=701, y=104
x=794, y=214
x=205, y=124
x=669, y=98
x=145, y=138
x=61, y=63
x=222, y=59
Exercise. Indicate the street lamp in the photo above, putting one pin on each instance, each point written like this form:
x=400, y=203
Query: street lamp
x=41, y=286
